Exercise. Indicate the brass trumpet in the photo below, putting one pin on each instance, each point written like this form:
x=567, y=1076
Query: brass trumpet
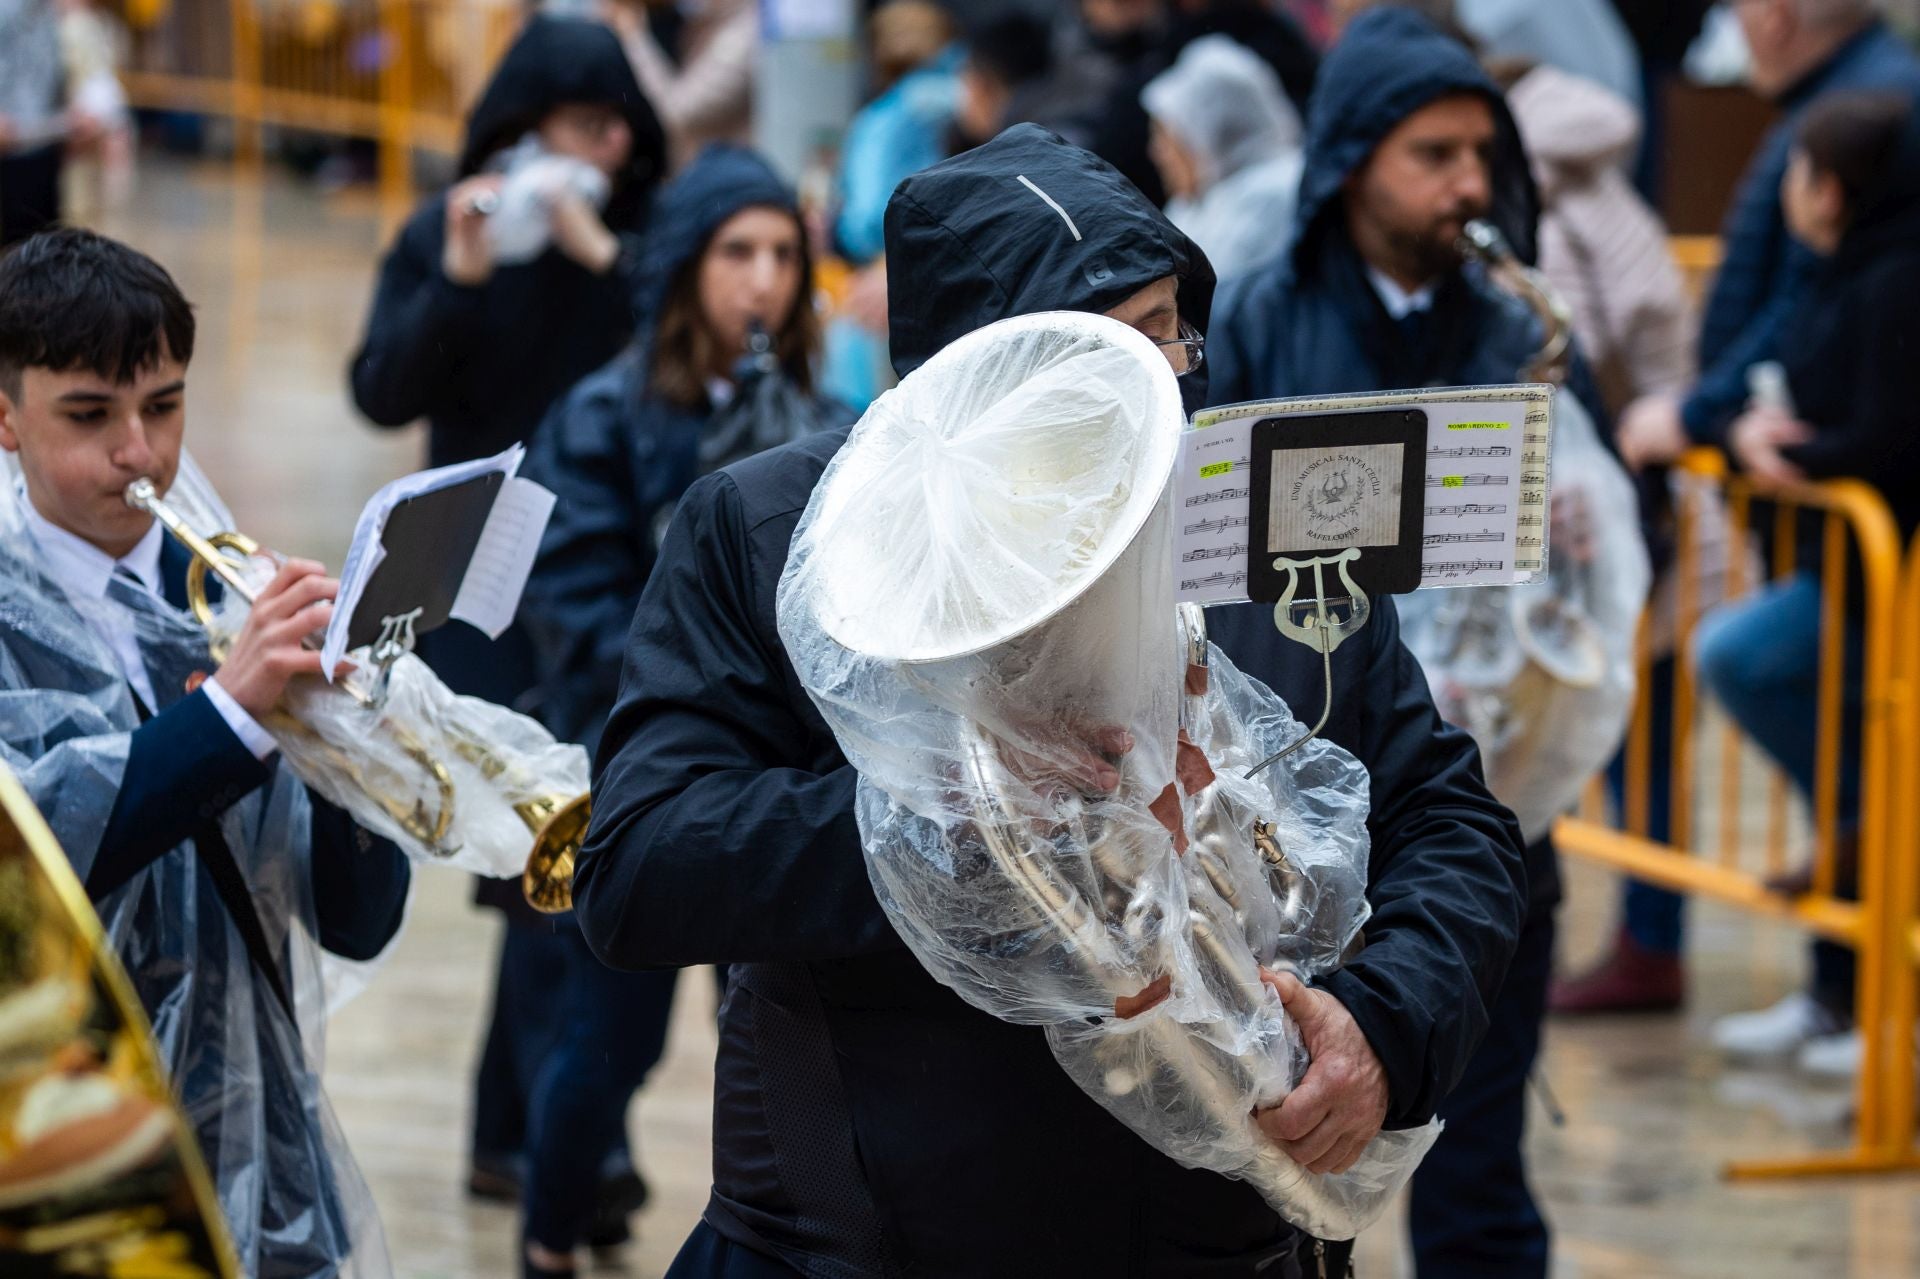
x=556, y=817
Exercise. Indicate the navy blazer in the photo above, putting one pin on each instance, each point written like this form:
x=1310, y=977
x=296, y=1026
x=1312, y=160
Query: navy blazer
x=186, y=767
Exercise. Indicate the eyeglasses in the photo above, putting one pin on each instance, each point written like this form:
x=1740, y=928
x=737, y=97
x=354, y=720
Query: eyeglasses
x=1187, y=350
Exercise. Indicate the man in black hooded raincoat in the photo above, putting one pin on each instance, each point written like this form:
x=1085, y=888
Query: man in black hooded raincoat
x=1371, y=298
x=867, y=1122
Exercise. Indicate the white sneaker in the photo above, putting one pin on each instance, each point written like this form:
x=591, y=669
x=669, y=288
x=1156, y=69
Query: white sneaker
x=1832, y=1056
x=1774, y=1032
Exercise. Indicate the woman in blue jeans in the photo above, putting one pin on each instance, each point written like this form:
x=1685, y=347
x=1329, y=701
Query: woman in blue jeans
x=1851, y=354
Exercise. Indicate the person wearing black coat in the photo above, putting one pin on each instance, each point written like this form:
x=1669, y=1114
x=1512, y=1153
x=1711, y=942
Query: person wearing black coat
x=867, y=1122
x=1371, y=298
x=1851, y=195
x=726, y=251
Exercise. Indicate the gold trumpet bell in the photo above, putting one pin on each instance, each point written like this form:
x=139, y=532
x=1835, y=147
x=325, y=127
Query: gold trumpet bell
x=559, y=826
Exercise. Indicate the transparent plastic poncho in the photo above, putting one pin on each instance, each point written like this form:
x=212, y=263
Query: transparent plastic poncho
x=247, y=1074
x=1052, y=801
x=1542, y=676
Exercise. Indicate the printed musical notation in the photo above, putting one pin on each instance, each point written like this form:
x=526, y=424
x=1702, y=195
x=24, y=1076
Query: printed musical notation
x=1530, y=521
x=1459, y=568
x=1533, y=499
x=1469, y=450
x=1215, y=553
x=1218, y=495
x=1446, y=539
x=1220, y=525
x=1236, y=578
x=1466, y=481
x=1471, y=508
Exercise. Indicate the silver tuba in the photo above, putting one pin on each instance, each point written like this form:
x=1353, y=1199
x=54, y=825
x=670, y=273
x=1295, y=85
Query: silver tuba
x=1541, y=675
x=1054, y=800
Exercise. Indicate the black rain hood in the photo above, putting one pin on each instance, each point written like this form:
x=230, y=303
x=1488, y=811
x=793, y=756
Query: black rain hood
x=1027, y=222
x=1387, y=65
x=553, y=62
x=723, y=180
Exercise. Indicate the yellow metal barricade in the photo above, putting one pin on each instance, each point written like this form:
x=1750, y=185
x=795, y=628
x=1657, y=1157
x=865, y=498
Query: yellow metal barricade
x=400, y=72
x=1859, y=549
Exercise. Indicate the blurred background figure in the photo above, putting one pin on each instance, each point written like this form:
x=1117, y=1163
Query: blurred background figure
x=1138, y=39
x=722, y=367
x=915, y=62
x=35, y=123
x=480, y=348
x=1583, y=37
x=1012, y=75
x=1798, y=49
x=695, y=60
x=1226, y=142
x=93, y=47
x=1602, y=248
x=1851, y=196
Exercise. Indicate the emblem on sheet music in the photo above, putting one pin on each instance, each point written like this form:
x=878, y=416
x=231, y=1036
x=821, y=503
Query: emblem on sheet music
x=1335, y=498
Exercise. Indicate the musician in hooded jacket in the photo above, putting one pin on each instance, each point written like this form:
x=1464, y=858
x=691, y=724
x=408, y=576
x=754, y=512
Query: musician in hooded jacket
x=867, y=1121
x=1407, y=140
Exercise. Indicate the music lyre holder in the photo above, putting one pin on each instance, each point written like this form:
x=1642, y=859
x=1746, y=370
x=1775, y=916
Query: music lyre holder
x=396, y=640
x=1310, y=622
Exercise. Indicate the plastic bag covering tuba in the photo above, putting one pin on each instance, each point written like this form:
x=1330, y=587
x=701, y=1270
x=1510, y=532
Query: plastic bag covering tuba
x=1542, y=675
x=1052, y=802
x=449, y=778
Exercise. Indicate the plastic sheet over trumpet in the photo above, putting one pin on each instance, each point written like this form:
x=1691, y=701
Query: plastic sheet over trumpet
x=1052, y=798
x=1542, y=676
x=441, y=774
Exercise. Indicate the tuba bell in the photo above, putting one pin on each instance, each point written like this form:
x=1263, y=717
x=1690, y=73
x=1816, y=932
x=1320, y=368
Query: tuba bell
x=1055, y=795
x=449, y=778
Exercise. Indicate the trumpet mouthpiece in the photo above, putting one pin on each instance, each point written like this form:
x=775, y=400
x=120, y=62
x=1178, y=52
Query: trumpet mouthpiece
x=141, y=493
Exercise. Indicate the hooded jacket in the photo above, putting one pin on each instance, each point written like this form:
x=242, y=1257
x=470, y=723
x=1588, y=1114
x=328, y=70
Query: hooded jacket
x=1764, y=271
x=1852, y=350
x=1311, y=320
x=482, y=363
x=866, y=1120
x=618, y=457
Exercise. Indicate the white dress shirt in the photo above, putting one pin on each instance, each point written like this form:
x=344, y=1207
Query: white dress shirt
x=1399, y=303
x=85, y=571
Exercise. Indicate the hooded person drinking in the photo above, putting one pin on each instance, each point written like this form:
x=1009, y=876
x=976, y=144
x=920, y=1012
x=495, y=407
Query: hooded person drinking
x=867, y=1120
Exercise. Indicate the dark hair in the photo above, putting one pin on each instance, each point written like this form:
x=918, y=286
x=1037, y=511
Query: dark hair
x=1853, y=136
x=1013, y=50
x=684, y=347
x=70, y=299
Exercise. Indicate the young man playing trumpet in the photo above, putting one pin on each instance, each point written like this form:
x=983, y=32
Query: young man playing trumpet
x=217, y=876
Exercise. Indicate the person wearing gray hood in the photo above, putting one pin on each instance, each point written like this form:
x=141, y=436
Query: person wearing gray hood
x=1227, y=143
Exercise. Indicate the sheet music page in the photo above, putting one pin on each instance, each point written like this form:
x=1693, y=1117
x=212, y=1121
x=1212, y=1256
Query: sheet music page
x=1488, y=474
x=490, y=592
x=365, y=553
